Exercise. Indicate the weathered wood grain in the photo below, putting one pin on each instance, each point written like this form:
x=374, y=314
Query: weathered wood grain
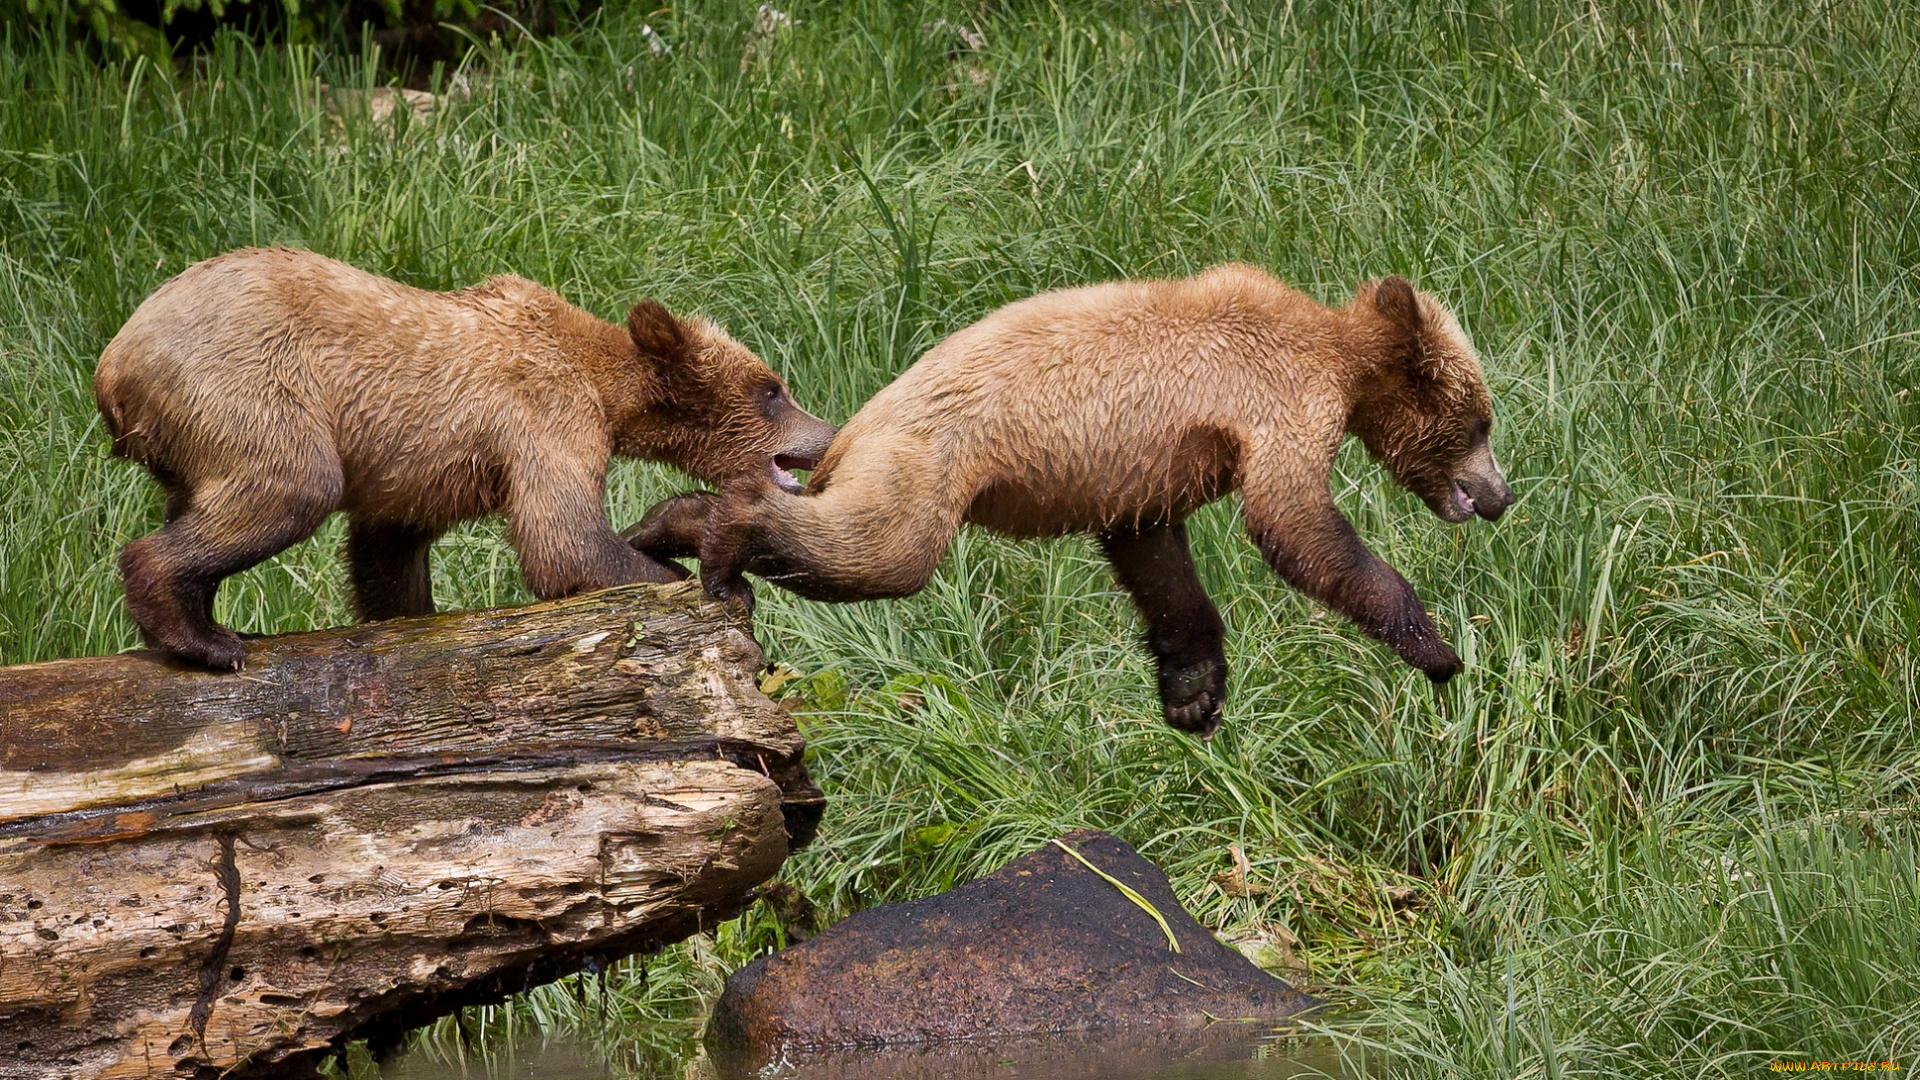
x=371, y=826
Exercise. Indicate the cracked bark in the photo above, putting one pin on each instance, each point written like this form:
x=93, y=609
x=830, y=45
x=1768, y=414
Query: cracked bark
x=212, y=875
x=228, y=875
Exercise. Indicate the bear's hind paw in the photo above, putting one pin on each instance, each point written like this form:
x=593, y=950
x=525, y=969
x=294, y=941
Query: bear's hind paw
x=221, y=650
x=1192, y=697
x=736, y=594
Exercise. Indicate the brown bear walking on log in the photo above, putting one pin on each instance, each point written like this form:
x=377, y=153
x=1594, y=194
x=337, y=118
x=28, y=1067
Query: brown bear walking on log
x=267, y=388
x=1119, y=409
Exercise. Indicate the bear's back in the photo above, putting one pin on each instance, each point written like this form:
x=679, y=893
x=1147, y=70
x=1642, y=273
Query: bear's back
x=1079, y=408
x=1137, y=361
x=264, y=340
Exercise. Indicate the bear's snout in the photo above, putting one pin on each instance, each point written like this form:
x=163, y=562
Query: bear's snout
x=1489, y=498
x=809, y=436
x=1479, y=487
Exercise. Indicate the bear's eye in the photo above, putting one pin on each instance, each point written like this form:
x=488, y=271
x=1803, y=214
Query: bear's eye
x=1480, y=431
x=770, y=393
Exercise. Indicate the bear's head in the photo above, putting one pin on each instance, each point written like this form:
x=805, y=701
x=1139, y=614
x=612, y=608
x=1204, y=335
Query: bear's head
x=1423, y=410
x=718, y=411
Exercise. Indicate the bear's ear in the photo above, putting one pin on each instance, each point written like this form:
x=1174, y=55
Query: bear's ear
x=1393, y=298
x=659, y=336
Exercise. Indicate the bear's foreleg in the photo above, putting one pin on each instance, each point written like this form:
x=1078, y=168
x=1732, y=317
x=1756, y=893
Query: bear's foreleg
x=388, y=566
x=557, y=520
x=1312, y=545
x=1184, y=631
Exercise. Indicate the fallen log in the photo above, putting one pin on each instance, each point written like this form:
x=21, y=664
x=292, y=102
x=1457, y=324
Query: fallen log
x=217, y=874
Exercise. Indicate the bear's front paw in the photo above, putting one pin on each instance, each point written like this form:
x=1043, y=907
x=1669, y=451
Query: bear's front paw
x=1191, y=697
x=1422, y=646
x=1442, y=664
x=660, y=571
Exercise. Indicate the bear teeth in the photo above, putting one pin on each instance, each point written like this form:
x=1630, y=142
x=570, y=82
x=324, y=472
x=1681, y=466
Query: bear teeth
x=785, y=480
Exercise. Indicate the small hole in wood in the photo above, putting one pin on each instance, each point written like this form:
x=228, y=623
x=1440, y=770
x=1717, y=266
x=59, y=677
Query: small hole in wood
x=238, y=974
x=317, y=878
x=149, y=952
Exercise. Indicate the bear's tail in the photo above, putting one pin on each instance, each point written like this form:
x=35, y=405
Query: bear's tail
x=108, y=399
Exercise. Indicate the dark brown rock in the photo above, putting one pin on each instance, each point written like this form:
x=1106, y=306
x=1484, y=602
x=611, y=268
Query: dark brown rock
x=1221, y=1052
x=1041, y=945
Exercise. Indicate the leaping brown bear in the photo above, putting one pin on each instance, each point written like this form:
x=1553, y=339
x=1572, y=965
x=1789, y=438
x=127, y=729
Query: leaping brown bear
x=1119, y=409
x=267, y=388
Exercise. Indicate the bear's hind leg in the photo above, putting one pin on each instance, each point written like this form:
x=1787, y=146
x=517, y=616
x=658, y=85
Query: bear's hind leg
x=673, y=527
x=876, y=534
x=388, y=566
x=171, y=575
x=1184, y=631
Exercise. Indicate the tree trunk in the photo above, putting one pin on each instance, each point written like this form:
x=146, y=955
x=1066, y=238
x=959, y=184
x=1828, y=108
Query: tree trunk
x=369, y=827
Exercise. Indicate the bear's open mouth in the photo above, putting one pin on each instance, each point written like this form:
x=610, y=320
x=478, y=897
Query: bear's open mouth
x=778, y=467
x=1462, y=501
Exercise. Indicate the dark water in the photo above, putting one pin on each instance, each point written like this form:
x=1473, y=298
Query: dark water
x=1232, y=1054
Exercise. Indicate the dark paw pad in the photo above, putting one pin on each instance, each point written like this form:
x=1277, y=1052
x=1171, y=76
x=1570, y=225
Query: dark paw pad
x=1191, y=697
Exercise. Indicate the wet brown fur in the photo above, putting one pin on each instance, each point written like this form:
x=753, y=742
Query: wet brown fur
x=267, y=388
x=1118, y=409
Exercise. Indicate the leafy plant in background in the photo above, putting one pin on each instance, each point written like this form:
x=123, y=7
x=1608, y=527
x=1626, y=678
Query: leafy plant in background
x=102, y=20
x=155, y=34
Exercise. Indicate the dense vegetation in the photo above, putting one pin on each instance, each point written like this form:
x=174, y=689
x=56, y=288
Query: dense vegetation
x=416, y=32
x=1665, y=823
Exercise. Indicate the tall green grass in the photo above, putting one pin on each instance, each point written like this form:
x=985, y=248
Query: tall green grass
x=1663, y=825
